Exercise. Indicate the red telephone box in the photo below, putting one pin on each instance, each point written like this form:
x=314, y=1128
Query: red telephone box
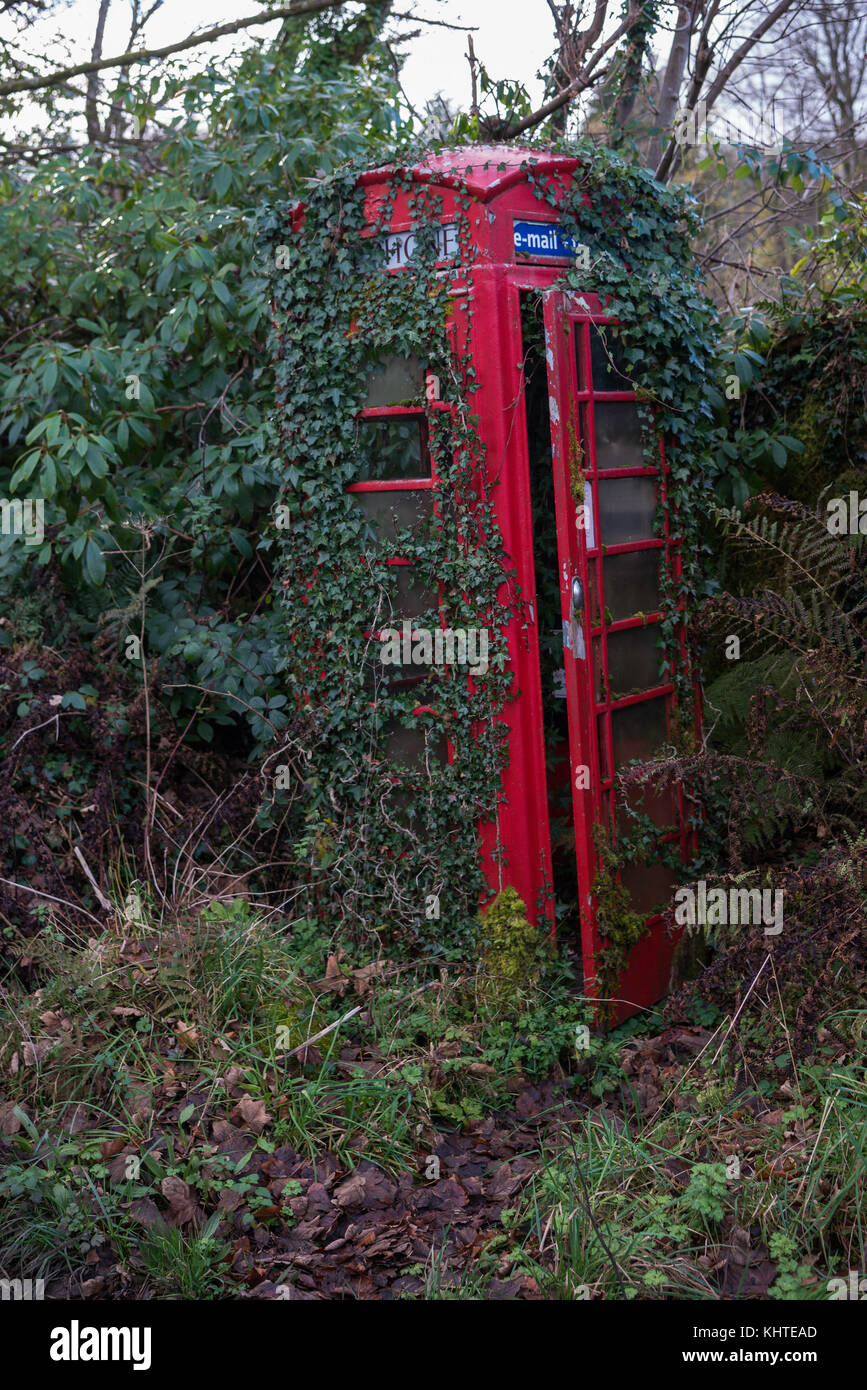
x=577, y=505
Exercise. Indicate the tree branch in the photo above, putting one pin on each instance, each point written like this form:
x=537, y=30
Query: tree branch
x=90, y=108
x=738, y=56
x=145, y=55
x=572, y=90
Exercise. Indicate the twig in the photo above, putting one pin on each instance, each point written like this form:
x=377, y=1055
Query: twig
x=740, y=1008
x=308, y=1042
x=591, y=1218
x=103, y=900
x=440, y=23
x=55, y=719
x=37, y=892
x=471, y=59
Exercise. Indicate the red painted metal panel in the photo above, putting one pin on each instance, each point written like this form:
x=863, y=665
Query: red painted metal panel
x=521, y=832
x=645, y=978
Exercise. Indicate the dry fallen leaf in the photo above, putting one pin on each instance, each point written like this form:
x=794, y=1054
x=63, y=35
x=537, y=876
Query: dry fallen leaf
x=186, y=1035
x=10, y=1123
x=362, y=978
x=334, y=979
x=252, y=1113
x=123, y=1165
x=180, y=1199
x=144, y=1211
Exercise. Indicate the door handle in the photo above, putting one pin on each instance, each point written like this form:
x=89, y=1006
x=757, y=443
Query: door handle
x=575, y=640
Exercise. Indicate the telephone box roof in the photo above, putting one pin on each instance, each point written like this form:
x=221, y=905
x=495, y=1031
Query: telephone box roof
x=483, y=170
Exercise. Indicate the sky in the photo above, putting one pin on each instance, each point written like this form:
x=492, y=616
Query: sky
x=513, y=39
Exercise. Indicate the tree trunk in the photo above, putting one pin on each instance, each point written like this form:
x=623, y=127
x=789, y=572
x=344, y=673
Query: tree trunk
x=91, y=110
x=673, y=80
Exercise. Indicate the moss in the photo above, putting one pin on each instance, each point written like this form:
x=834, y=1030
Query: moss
x=510, y=947
x=683, y=731
x=290, y=1022
x=576, y=464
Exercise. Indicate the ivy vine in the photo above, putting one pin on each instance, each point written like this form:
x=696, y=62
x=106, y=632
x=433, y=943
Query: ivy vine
x=393, y=848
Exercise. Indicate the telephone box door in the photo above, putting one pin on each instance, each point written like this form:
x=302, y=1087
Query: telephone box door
x=610, y=555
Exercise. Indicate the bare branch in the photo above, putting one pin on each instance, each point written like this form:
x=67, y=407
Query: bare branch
x=90, y=109
x=143, y=55
x=579, y=84
x=740, y=54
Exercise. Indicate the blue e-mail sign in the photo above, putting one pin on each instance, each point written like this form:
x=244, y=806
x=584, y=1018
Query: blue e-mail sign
x=544, y=239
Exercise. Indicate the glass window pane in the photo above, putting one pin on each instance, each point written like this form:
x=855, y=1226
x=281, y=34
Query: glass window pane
x=606, y=360
x=604, y=769
x=633, y=660
x=389, y=512
x=639, y=730
x=593, y=595
x=419, y=750
x=418, y=679
x=627, y=507
x=416, y=748
x=598, y=673
x=631, y=584
x=646, y=801
x=406, y=597
x=397, y=670
x=393, y=447
x=650, y=886
x=395, y=381
x=618, y=435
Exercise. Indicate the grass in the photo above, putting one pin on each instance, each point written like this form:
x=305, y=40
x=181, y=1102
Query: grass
x=656, y=1207
x=746, y=1164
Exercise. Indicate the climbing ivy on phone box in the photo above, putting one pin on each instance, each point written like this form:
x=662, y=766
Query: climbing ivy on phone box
x=491, y=371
